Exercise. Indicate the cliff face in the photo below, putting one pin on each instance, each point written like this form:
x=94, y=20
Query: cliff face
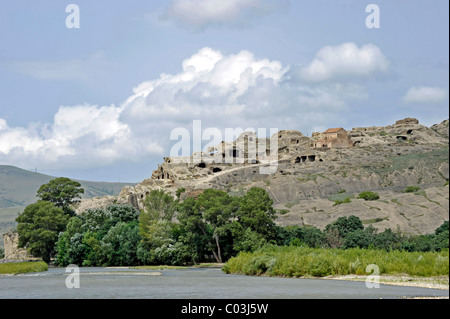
x=307, y=180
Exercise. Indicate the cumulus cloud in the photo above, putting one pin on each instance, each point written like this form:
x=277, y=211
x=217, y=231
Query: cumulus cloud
x=345, y=61
x=425, y=95
x=237, y=90
x=199, y=14
x=80, y=136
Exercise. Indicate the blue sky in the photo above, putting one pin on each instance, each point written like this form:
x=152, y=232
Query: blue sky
x=99, y=102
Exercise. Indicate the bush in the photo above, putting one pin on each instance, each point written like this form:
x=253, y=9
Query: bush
x=369, y=196
x=347, y=200
x=411, y=189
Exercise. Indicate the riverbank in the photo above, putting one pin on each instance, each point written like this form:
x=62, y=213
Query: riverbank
x=165, y=267
x=14, y=268
x=440, y=282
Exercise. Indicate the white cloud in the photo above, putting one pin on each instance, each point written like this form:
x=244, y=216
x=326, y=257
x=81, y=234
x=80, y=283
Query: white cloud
x=201, y=13
x=224, y=91
x=3, y=124
x=80, y=136
x=425, y=95
x=345, y=61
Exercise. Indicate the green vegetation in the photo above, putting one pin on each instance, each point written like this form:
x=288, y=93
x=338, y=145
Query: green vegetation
x=24, y=267
x=18, y=189
x=216, y=224
x=369, y=196
x=346, y=200
x=180, y=191
x=411, y=189
x=63, y=192
x=373, y=221
x=101, y=237
x=319, y=262
x=292, y=204
x=39, y=226
x=213, y=227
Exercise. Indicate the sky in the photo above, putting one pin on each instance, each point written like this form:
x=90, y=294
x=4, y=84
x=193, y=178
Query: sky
x=99, y=100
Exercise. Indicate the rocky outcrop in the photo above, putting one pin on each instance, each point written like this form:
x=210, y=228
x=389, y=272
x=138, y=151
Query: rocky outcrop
x=414, y=213
x=12, y=250
x=407, y=121
x=383, y=159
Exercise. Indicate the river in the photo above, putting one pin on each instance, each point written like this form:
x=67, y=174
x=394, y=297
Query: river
x=203, y=283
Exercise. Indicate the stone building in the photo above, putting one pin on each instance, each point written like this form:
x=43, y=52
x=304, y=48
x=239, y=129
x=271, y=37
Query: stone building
x=334, y=138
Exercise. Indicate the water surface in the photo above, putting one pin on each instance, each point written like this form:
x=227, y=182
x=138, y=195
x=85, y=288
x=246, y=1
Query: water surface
x=107, y=283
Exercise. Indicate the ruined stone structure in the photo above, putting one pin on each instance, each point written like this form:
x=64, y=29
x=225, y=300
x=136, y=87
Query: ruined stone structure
x=12, y=251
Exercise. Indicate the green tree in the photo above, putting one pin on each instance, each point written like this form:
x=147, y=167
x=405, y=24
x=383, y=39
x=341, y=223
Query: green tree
x=313, y=237
x=63, y=192
x=345, y=225
x=160, y=204
x=256, y=212
x=83, y=242
x=155, y=222
x=120, y=244
x=207, y=220
x=217, y=209
x=387, y=240
x=39, y=226
x=360, y=238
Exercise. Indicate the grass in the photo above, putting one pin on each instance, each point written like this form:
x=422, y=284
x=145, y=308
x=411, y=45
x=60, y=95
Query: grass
x=424, y=194
x=165, y=267
x=282, y=211
x=290, y=261
x=400, y=163
x=309, y=177
x=292, y=204
x=341, y=196
x=346, y=200
x=22, y=268
x=395, y=200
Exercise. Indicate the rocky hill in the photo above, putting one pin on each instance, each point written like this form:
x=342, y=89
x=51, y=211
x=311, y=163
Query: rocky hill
x=311, y=173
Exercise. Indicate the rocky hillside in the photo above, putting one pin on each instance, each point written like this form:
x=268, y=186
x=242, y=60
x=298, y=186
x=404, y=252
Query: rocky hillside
x=308, y=180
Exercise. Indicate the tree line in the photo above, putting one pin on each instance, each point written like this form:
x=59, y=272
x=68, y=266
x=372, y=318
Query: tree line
x=213, y=227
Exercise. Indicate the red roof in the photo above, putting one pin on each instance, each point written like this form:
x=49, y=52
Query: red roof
x=333, y=130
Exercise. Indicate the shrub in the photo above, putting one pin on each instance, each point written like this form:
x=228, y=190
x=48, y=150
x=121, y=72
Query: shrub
x=300, y=261
x=411, y=189
x=346, y=200
x=369, y=196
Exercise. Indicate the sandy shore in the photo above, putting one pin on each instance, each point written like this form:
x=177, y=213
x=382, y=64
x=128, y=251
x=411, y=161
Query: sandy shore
x=441, y=282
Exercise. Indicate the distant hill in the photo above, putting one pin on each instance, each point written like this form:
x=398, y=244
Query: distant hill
x=18, y=188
